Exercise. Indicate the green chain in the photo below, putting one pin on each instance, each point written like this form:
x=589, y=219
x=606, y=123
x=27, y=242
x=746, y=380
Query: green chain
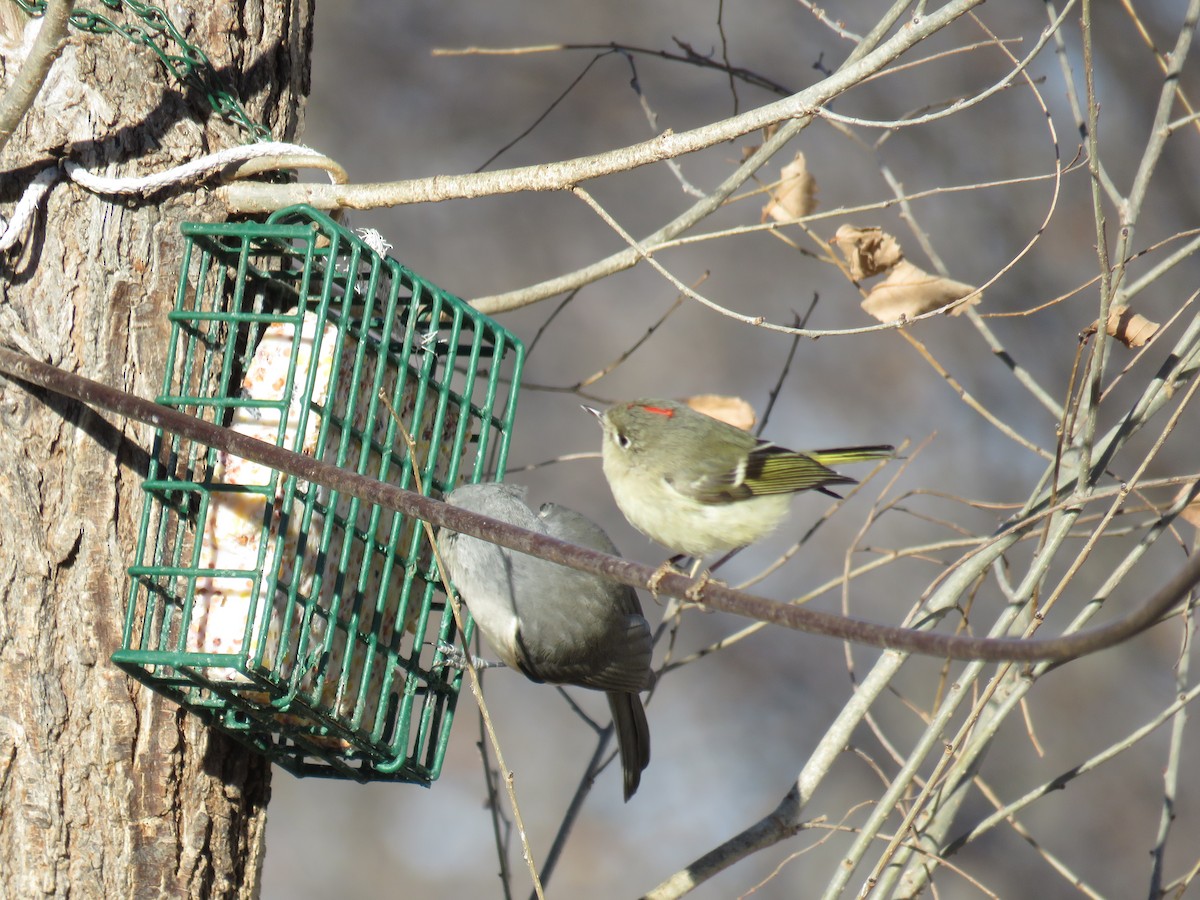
x=191, y=65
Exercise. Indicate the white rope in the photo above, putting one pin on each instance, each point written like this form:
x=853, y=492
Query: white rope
x=35, y=193
x=27, y=207
x=199, y=168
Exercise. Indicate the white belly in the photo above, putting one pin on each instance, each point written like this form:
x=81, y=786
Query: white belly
x=699, y=529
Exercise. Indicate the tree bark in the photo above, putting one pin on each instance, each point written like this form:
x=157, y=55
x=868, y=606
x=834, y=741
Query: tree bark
x=107, y=789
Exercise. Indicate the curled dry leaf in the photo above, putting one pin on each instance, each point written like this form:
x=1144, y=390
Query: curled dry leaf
x=1191, y=512
x=868, y=251
x=731, y=410
x=909, y=291
x=1130, y=328
x=795, y=195
x=750, y=149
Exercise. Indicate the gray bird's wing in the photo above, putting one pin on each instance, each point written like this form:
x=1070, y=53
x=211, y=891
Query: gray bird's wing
x=615, y=653
x=491, y=579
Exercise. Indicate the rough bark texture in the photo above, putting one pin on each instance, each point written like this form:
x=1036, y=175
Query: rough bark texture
x=105, y=788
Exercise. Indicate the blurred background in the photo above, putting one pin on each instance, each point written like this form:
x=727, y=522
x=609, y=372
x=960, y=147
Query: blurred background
x=732, y=730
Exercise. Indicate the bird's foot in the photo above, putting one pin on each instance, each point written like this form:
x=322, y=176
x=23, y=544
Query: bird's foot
x=667, y=568
x=455, y=658
x=695, y=592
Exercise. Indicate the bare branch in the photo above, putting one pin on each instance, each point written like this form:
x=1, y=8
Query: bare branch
x=45, y=50
x=715, y=596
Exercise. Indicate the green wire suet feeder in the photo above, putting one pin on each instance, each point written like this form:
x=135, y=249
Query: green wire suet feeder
x=301, y=621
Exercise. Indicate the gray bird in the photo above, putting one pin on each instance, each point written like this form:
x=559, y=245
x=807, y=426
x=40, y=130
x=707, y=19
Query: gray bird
x=552, y=623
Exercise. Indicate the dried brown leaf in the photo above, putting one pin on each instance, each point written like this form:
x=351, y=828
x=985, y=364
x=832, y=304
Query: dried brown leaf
x=795, y=195
x=909, y=291
x=868, y=251
x=1130, y=328
x=1191, y=512
x=732, y=410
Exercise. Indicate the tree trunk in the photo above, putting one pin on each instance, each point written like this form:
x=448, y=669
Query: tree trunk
x=107, y=789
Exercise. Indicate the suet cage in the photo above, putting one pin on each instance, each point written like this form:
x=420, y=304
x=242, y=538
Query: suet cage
x=302, y=621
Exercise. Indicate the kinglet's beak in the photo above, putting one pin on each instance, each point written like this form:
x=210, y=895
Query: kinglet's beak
x=595, y=412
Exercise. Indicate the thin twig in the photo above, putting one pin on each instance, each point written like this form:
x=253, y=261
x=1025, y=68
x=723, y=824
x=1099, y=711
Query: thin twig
x=546, y=112
x=244, y=198
x=1175, y=757
x=468, y=660
x=1076, y=771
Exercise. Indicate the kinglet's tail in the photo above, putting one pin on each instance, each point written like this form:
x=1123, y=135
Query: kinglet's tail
x=839, y=456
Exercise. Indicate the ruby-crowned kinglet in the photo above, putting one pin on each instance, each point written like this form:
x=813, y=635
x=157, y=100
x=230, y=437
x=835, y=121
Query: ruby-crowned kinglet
x=698, y=485
x=552, y=623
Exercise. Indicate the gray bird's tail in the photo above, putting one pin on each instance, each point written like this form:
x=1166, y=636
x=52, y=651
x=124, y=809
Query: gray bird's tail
x=633, y=736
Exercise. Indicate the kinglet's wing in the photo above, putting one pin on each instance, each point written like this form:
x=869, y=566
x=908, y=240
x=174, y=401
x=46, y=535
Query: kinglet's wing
x=775, y=470
x=766, y=469
x=770, y=469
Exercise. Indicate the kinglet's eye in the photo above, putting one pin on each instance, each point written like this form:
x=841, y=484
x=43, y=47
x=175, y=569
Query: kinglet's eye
x=622, y=441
